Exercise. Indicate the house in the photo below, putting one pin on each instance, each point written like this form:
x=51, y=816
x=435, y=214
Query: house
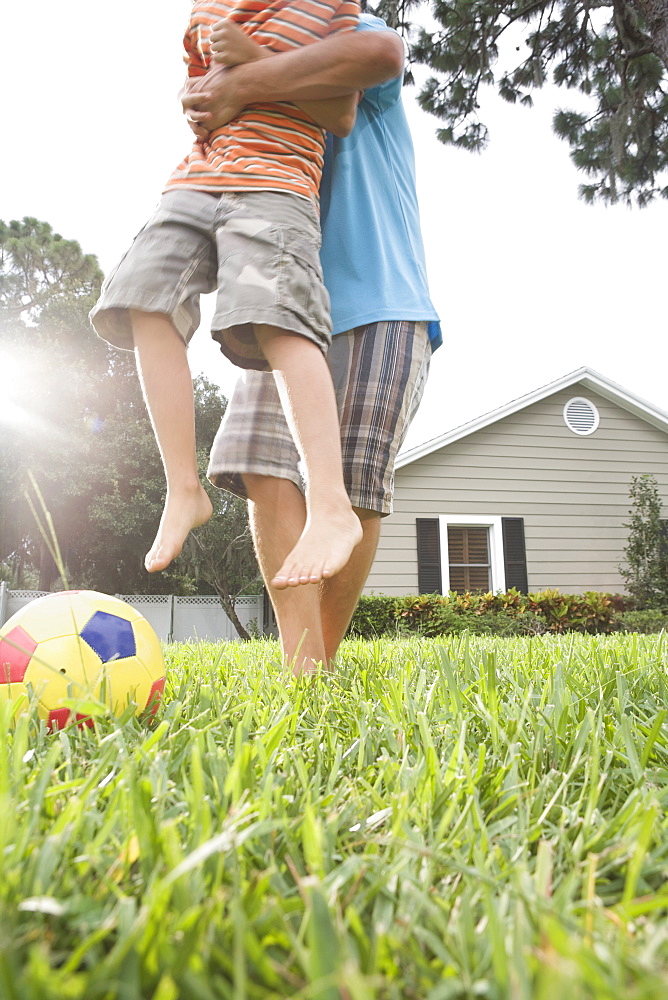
x=532, y=495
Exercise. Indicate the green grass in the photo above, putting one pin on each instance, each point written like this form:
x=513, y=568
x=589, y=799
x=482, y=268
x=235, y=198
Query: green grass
x=465, y=817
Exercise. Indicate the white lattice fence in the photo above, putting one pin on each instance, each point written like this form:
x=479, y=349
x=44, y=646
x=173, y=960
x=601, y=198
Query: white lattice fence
x=202, y=617
x=156, y=609
x=175, y=618
x=17, y=599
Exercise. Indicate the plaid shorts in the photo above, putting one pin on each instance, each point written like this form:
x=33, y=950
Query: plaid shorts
x=260, y=249
x=379, y=372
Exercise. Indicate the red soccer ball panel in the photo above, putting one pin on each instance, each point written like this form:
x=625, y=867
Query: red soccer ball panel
x=155, y=697
x=60, y=718
x=16, y=649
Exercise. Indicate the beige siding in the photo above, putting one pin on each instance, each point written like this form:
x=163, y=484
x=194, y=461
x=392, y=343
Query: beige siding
x=572, y=492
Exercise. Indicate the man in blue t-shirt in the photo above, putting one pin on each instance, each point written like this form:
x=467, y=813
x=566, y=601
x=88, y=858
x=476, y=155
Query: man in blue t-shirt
x=384, y=324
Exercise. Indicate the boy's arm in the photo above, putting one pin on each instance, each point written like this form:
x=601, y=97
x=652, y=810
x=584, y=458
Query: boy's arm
x=339, y=65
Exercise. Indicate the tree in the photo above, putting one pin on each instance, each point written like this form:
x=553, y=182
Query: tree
x=39, y=268
x=615, y=52
x=50, y=365
x=126, y=510
x=220, y=554
x=646, y=569
x=72, y=414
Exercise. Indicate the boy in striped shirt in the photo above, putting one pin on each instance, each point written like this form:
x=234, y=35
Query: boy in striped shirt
x=240, y=214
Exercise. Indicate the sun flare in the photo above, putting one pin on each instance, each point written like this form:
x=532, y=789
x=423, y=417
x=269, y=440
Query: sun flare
x=12, y=373
x=15, y=374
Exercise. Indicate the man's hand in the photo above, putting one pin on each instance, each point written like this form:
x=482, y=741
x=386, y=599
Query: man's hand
x=210, y=101
x=231, y=46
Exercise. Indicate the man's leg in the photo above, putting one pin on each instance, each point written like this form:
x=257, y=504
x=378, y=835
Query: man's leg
x=168, y=391
x=313, y=620
x=332, y=529
x=277, y=513
x=339, y=596
x=379, y=372
x=254, y=442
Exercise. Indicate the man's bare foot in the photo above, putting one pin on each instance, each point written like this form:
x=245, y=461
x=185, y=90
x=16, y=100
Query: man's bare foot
x=324, y=548
x=183, y=511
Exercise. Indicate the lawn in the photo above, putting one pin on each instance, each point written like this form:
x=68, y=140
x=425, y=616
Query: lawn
x=463, y=817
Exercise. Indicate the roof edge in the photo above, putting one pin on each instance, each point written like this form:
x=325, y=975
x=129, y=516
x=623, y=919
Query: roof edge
x=590, y=378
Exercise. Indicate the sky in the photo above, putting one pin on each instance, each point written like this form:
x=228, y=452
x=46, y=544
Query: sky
x=530, y=282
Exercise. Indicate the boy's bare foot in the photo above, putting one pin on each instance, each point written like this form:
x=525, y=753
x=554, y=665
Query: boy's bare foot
x=183, y=511
x=324, y=548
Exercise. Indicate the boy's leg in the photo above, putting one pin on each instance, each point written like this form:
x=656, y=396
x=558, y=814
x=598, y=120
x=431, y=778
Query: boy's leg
x=150, y=303
x=167, y=386
x=332, y=529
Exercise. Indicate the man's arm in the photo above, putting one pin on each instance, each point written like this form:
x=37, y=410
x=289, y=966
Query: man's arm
x=232, y=47
x=336, y=114
x=337, y=66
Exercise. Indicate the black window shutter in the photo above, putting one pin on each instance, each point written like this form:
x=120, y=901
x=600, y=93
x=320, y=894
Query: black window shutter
x=429, y=555
x=514, y=553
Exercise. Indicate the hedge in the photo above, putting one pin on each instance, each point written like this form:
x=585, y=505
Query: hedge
x=512, y=613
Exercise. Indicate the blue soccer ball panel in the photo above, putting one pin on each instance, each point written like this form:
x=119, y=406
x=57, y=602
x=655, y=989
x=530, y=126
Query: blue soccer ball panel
x=111, y=637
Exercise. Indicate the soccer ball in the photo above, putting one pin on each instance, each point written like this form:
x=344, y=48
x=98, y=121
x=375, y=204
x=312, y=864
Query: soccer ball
x=80, y=645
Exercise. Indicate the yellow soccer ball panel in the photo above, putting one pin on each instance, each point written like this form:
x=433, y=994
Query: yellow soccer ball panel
x=18, y=693
x=112, y=605
x=149, y=650
x=124, y=681
x=63, y=667
x=54, y=615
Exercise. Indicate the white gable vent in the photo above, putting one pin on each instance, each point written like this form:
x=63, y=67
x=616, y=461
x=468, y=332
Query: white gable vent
x=581, y=416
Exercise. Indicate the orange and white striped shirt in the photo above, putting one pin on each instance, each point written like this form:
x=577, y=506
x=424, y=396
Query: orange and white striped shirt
x=268, y=147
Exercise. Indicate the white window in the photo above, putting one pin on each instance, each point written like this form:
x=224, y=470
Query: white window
x=472, y=553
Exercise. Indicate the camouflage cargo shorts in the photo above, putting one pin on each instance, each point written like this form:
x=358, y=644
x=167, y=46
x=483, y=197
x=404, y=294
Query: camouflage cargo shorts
x=258, y=249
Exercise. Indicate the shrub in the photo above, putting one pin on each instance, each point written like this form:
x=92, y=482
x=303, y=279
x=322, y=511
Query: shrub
x=510, y=613
x=504, y=624
x=430, y=615
x=507, y=614
x=646, y=568
x=646, y=621
x=590, y=612
x=374, y=616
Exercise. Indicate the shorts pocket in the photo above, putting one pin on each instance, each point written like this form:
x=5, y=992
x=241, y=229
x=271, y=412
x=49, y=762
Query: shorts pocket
x=111, y=275
x=300, y=282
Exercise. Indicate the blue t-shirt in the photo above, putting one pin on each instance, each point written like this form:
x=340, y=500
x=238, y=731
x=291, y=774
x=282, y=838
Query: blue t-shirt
x=372, y=253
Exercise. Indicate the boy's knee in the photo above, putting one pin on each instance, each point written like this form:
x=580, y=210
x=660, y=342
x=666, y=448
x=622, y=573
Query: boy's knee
x=151, y=329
